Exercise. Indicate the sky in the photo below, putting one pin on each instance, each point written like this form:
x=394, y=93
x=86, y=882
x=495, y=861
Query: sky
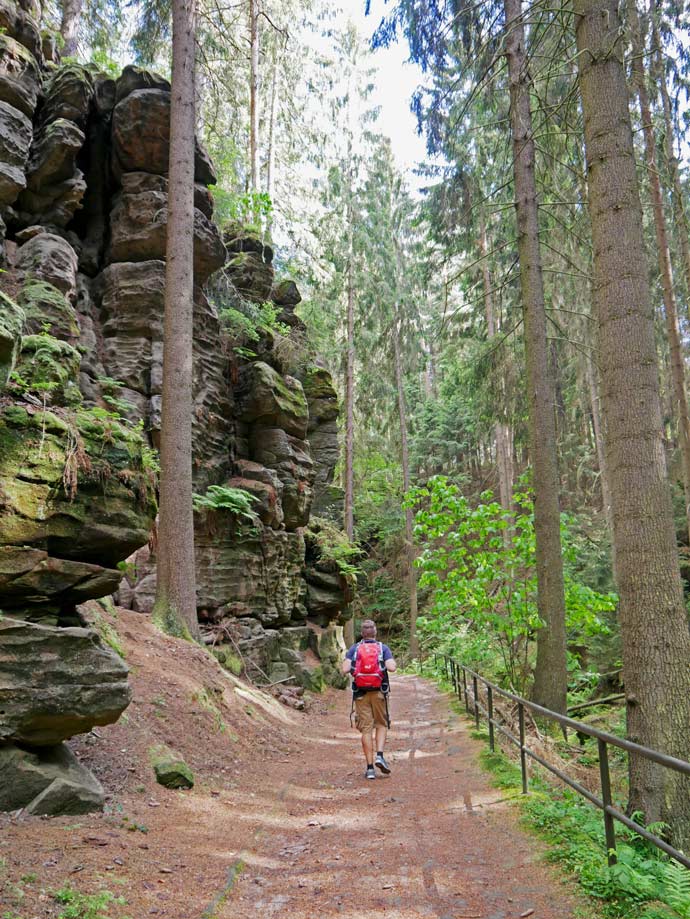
x=396, y=82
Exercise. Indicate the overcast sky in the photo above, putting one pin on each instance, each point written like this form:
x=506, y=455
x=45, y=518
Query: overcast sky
x=396, y=82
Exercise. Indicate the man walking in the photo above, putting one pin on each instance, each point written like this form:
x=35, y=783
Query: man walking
x=369, y=662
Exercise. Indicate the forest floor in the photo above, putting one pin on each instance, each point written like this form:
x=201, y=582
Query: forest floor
x=281, y=821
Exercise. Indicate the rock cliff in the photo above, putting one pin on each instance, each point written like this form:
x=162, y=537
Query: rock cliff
x=83, y=214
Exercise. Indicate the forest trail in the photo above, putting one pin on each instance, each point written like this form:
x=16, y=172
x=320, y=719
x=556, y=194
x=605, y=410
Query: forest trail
x=431, y=840
x=281, y=822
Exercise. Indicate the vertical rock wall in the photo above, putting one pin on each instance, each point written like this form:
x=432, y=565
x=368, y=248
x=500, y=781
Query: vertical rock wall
x=83, y=214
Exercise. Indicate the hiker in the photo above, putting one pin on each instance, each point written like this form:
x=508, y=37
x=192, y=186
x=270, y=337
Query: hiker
x=369, y=662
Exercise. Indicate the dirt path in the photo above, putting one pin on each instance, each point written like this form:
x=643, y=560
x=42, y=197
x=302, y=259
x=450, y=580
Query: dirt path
x=430, y=840
x=281, y=822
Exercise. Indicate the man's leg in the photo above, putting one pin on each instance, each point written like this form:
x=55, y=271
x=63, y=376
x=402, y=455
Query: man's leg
x=368, y=746
x=381, y=734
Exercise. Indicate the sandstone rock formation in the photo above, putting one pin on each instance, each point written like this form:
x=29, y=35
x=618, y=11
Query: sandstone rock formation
x=83, y=214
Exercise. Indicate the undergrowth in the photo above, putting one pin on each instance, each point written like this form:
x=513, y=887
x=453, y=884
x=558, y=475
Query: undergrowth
x=644, y=884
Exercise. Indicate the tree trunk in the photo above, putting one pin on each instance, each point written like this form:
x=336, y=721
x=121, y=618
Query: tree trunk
x=599, y=443
x=270, y=157
x=254, y=95
x=350, y=397
x=653, y=621
x=69, y=26
x=680, y=218
x=664, y=255
x=409, y=519
x=175, y=606
x=550, y=678
x=503, y=434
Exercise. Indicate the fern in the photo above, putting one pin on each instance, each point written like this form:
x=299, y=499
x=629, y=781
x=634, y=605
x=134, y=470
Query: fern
x=676, y=881
x=223, y=497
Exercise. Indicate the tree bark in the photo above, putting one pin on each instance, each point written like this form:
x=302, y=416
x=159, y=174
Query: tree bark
x=350, y=393
x=550, y=678
x=175, y=606
x=69, y=26
x=503, y=434
x=653, y=621
x=599, y=442
x=409, y=519
x=664, y=256
x=254, y=95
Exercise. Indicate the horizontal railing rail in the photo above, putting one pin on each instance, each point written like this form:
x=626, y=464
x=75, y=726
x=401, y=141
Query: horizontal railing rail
x=461, y=676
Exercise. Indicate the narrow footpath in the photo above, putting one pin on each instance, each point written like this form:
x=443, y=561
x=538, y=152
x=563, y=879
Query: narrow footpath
x=431, y=840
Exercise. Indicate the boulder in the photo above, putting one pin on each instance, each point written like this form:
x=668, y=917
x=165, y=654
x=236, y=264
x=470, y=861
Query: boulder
x=290, y=459
x=49, y=369
x=16, y=133
x=170, y=768
x=251, y=275
x=68, y=95
x=53, y=155
x=133, y=78
x=141, y=136
x=285, y=293
x=50, y=258
x=271, y=400
x=20, y=78
x=30, y=577
x=139, y=223
x=50, y=47
x=19, y=24
x=57, y=682
x=74, y=486
x=47, y=781
x=240, y=238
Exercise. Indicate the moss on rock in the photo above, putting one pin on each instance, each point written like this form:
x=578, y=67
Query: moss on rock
x=170, y=768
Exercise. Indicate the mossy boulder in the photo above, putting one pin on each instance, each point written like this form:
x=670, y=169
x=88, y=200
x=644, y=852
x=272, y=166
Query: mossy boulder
x=56, y=682
x=49, y=369
x=272, y=400
x=311, y=678
x=73, y=484
x=170, y=768
x=47, y=309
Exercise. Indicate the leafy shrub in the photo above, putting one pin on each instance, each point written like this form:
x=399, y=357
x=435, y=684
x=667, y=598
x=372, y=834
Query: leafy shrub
x=484, y=586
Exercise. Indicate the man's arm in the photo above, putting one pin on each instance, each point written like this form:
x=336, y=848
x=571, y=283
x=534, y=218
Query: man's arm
x=389, y=660
x=346, y=665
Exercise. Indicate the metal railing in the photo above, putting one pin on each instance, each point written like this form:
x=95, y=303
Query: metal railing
x=459, y=676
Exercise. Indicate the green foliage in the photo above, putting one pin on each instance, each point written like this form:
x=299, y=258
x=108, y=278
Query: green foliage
x=223, y=497
x=251, y=209
x=85, y=906
x=644, y=884
x=479, y=564
x=333, y=546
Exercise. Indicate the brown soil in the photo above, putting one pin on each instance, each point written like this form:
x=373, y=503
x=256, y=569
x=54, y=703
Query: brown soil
x=281, y=821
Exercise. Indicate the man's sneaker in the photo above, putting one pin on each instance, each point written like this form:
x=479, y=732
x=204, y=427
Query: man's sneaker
x=382, y=764
x=370, y=773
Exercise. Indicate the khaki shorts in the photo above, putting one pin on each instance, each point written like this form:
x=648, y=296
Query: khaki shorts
x=370, y=710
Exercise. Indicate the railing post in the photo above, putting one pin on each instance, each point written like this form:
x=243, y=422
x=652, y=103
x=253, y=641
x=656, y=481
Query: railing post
x=454, y=671
x=490, y=705
x=609, y=825
x=464, y=686
x=476, y=701
x=523, y=755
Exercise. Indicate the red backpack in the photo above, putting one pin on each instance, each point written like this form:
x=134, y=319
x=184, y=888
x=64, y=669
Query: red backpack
x=368, y=672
